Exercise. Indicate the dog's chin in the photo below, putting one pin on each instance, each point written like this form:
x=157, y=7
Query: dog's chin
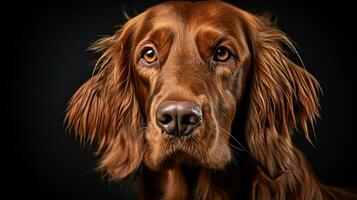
x=178, y=158
x=188, y=153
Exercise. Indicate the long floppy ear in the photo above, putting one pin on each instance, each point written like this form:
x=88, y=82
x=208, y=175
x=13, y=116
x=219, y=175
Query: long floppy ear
x=105, y=107
x=283, y=98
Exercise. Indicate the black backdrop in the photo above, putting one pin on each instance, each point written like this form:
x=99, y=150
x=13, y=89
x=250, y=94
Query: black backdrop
x=48, y=62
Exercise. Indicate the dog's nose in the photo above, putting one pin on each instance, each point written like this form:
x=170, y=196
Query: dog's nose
x=178, y=118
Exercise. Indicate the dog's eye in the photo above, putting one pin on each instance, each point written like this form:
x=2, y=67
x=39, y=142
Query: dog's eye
x=149, y=55
x=221, y=54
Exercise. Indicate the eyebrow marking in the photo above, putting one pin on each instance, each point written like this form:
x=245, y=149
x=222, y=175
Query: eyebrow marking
x=208, y=37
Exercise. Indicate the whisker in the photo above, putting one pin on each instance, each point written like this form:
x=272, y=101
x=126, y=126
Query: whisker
x=235, y=148
x=242, y=147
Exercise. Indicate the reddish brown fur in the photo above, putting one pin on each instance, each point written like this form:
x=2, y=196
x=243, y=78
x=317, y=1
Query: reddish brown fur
x=258, y=97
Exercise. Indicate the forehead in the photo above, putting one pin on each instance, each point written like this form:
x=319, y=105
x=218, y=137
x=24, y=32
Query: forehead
x=191, y=17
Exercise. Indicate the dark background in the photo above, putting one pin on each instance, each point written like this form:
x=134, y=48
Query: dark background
x=48, y=62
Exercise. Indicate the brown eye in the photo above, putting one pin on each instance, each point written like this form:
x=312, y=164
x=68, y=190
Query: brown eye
x=222, y=54
x=149, y=55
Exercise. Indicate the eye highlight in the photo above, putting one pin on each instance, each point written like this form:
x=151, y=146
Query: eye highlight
x=149, y=55
x=221, y=54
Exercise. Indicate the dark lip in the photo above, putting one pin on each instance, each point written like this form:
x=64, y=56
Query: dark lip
x=182, y=138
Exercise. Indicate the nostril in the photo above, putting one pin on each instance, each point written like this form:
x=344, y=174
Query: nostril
x=164, y=119
x=189, y=119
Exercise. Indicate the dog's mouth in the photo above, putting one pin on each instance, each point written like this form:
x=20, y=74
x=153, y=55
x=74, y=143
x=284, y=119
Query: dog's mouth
x=181, y=150
x=192, y=150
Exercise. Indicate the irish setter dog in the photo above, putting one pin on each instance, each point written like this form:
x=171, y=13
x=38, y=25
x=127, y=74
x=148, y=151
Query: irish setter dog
x=199, y=101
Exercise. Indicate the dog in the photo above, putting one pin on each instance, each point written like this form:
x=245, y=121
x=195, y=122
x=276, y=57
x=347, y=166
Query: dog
x=199, y=101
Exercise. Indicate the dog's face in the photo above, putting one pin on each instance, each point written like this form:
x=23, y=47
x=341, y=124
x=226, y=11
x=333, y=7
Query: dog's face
x=190, y=71
x=171, y=80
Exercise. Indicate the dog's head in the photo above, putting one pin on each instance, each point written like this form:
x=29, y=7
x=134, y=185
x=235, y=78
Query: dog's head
x=170, y=82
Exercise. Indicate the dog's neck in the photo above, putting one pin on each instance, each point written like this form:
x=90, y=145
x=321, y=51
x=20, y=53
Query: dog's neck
x=183, y=182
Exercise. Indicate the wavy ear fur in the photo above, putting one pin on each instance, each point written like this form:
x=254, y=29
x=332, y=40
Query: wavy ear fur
x=284, y=96
x=105, y=107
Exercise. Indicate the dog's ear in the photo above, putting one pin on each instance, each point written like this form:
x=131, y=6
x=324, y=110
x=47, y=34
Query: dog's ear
x=284, y=97
x=105, y=108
